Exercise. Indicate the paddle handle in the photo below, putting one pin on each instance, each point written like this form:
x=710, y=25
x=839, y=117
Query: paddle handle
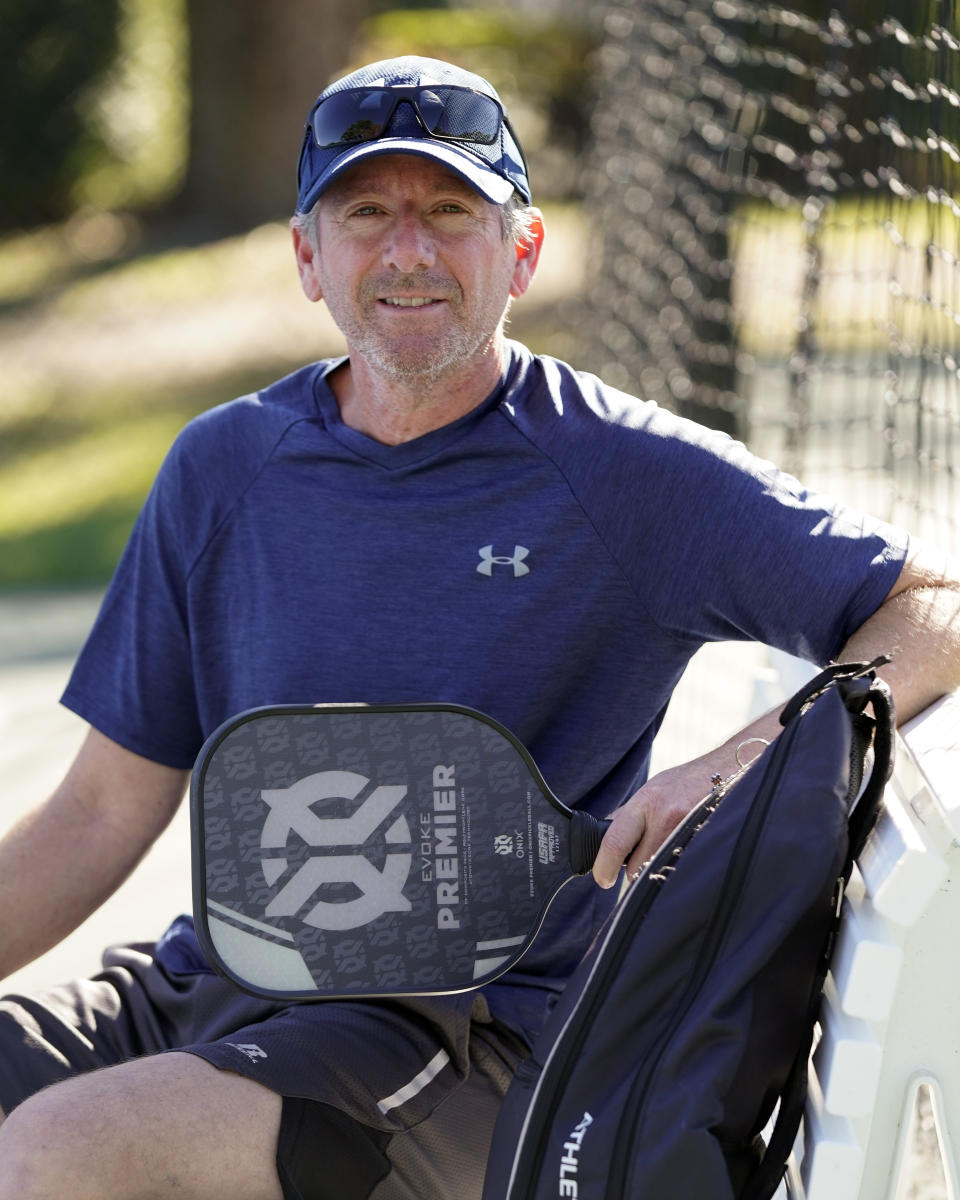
x=586, y=834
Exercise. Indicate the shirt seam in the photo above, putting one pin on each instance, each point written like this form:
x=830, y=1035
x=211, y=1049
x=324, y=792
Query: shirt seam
x=614, y=558
x=228, y=515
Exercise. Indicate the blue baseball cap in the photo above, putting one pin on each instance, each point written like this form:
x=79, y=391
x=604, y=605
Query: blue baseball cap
x=437, y=111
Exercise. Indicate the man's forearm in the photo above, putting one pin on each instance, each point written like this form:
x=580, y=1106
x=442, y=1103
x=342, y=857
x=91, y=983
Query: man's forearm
x=920, y=629
x=54, y=872
x=62, y=860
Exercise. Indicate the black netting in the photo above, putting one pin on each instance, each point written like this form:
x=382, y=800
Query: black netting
x=774, y=192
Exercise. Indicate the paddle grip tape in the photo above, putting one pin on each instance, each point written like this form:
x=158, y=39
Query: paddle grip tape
x=586, y=834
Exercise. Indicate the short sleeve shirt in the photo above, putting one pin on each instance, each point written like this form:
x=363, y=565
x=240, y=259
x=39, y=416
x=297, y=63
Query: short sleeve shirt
x=553, y=559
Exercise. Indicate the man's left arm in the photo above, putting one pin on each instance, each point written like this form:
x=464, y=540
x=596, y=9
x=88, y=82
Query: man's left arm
x=917, y=625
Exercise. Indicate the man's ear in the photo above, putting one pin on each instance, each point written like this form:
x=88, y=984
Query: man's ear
x=528, y=255
x=308, y=263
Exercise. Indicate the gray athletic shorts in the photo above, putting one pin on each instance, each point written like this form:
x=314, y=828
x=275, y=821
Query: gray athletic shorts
x=383, y=1100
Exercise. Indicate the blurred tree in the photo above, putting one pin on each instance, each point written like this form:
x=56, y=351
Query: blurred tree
x=535, y=58
x=192, y=110
x=255, y=69
x=53, y=54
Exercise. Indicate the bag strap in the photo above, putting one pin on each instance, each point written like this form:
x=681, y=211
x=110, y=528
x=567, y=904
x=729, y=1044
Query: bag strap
x=868, y=806
x=858, y=685
x=769, y=1171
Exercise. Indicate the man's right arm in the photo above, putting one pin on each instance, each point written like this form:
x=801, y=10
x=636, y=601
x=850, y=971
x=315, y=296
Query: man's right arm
x=63, y=859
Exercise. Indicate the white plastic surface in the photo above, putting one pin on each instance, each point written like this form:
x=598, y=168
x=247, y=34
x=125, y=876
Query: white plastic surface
x=891, y=1015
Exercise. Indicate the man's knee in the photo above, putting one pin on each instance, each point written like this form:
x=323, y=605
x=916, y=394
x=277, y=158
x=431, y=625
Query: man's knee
x=28, y=1162
x=55, y=1144
x=173, y=1125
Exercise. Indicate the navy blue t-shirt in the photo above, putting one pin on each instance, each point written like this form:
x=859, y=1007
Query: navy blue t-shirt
x=553, y=559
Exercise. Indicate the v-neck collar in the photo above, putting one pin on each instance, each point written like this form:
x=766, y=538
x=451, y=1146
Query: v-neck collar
x=418, y=449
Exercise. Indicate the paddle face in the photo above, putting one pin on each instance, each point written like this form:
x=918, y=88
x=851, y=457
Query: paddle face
x=361, y=851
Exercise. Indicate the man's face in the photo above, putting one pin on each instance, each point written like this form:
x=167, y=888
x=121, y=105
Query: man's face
x=413, y=266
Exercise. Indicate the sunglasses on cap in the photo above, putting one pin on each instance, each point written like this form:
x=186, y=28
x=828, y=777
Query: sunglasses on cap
x=446, y=111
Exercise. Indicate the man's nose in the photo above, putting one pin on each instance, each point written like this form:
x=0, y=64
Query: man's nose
x=410, y=247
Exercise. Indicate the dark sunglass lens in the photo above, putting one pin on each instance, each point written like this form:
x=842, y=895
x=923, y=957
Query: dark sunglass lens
x=458, y=113
x=431, y=107
x=351, y=117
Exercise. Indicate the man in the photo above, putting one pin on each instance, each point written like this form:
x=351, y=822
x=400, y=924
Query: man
x=323, y=541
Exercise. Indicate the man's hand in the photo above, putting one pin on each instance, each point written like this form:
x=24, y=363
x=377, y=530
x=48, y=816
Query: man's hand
x=646, y=820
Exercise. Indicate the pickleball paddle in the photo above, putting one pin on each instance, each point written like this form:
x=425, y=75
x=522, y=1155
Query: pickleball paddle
x=364, y=850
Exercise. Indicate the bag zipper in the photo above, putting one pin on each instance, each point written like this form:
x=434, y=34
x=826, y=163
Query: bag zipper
x=729, y=898
x=536, y=1135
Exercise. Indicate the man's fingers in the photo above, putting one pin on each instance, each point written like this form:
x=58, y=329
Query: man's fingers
x=636, y=863
x=637, y=830
x=625, y=833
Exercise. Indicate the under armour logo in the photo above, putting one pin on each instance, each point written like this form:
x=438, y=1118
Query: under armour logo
x=488, y=558
x=381, y=891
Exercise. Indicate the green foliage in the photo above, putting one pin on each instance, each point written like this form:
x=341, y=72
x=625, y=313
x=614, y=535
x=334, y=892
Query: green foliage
x=67, y=510
x=140, y=110
x=94, y=102
x=55, y=52
x=539, y=65
x=73, y=477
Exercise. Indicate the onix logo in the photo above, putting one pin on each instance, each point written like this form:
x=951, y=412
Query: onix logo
x=381, y=891
x=503, y=843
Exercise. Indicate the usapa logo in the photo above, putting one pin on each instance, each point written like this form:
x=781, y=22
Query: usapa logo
x=570, y=1162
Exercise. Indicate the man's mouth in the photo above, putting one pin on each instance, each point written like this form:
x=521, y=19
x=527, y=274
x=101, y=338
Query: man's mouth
x=409, y=301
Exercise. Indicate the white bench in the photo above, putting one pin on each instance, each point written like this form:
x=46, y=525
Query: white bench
x=891, y=1016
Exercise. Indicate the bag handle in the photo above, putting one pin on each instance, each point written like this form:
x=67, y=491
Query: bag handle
x=833, y=673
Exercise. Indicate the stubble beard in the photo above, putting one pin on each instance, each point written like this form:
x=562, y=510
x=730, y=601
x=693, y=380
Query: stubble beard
x=426, y=360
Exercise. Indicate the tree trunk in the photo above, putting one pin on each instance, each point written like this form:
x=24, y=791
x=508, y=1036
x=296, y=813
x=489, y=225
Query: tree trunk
x=255, y=70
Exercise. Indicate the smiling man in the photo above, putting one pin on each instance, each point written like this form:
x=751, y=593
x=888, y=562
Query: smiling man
x=415, y=267
x=439, y=515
